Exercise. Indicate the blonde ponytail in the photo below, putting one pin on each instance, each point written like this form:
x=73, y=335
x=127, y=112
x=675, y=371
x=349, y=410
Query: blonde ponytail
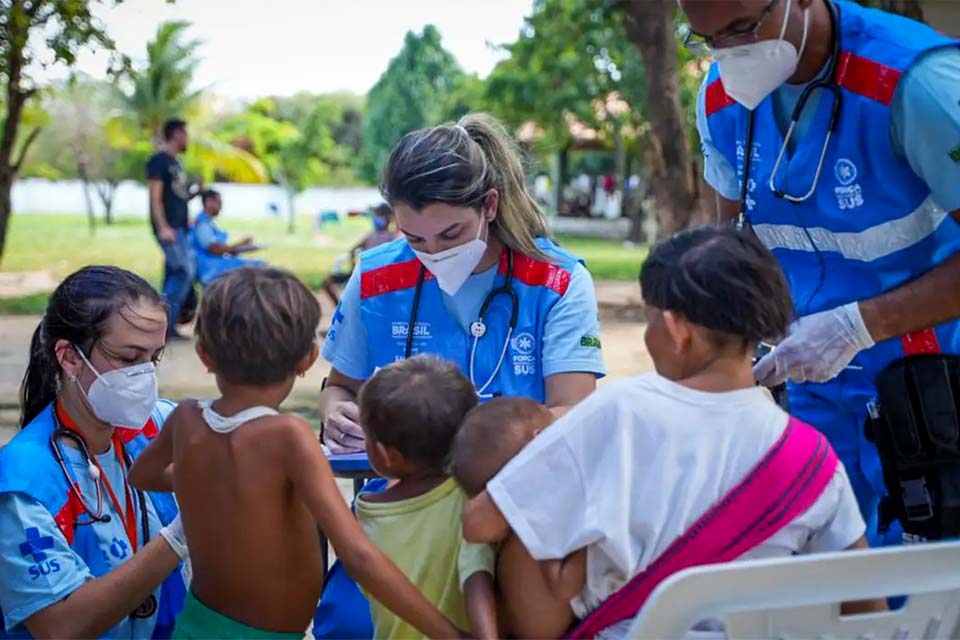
x=519, y=221
x=459, y=165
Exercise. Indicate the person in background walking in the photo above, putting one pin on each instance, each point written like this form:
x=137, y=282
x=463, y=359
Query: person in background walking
x=170, y=191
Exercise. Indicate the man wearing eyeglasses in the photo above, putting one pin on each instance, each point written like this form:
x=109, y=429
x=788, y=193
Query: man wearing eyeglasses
x=849, y=120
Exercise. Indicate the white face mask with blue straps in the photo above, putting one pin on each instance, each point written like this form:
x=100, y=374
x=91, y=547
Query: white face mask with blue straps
x=751, y=72
x=122, y=397
x=453, y=266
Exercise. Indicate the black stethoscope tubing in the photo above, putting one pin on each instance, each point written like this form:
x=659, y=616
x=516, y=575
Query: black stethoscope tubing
x=505, y=289
x=829, y=83
x=60, y=432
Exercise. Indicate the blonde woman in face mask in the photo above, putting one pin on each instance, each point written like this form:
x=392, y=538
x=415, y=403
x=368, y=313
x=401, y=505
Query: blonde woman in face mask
x=474, y=279
x=84, y=554
x=846, y=119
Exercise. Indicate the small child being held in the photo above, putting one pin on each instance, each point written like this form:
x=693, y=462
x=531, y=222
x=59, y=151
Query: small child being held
x=410, y=412
x=491, y=435
x=253, y=484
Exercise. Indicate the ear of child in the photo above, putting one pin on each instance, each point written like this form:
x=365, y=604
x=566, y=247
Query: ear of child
x=680, y=330
x=308, y=361
x=387, y=461
x=205, y=358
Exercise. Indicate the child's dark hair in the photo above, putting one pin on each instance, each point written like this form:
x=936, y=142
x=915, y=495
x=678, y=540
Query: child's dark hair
x=257, y=324
x=416, y=406
x=208, y=194
x=78, y=312
x=721, y=279
x=491, y=435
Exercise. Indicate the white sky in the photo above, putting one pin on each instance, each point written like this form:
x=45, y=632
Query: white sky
x=278, y=47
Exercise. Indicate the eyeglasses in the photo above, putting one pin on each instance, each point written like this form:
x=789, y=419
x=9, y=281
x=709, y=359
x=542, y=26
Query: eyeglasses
x=702, y=45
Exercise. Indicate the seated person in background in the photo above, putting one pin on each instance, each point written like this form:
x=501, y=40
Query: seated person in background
x=691, y=465
x=491, y=435
x=410, y=412
x=253, y=484
x=214, y=256
x=382, y=218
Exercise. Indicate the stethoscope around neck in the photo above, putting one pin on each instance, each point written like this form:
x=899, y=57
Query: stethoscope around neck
x=478, y=327
x=828, y=83
x=95, y=515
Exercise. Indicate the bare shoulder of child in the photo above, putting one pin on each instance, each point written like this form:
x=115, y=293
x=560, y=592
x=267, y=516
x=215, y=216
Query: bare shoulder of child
x=253, y=484
x=254, y=548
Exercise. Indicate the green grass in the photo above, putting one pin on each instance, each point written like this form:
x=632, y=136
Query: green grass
x=61, y=244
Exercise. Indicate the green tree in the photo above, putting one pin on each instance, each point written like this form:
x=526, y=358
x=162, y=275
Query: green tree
x=573, y=56
x=164, y=86
x=342, y=114
x=573, y=63
x=297, y=157
x=411, y=94
x=60, y=29
x=85, y=138
x=570, y=55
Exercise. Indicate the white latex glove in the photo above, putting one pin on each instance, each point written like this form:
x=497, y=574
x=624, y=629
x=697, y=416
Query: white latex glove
x=817, y=347
x=173, y=534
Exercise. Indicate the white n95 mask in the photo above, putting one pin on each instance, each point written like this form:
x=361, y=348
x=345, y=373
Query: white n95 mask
x=453, y=266
x=123, y=397
x=751, y=72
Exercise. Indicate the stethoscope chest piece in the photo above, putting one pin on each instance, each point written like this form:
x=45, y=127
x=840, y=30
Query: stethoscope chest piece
x=478, y=329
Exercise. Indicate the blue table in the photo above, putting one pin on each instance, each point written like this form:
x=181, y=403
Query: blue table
x=351, y=465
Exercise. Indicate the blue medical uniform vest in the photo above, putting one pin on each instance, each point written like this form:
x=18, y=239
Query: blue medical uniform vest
x=388, y=283
x=209, y=266
x=27, y=466
x=873, y=221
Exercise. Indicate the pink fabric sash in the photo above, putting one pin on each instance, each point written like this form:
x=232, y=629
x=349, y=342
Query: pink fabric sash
x=785, y=483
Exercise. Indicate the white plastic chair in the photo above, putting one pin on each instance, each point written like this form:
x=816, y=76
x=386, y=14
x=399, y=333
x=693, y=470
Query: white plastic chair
x=799, y=597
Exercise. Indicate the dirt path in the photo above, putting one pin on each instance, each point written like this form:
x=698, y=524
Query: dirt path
x=182, y=375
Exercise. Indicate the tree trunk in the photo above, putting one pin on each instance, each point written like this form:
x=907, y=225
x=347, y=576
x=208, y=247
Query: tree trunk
x=106, y=190
x=560, y=179
x=6, y=186
x=619, y=166
x=649, y=26
x=908, y=8
x=8, y=167
x=85, y=179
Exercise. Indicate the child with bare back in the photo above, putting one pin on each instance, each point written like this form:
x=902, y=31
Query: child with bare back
x=253, y=484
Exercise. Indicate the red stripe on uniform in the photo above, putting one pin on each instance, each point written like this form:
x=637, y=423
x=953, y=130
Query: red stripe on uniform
x=66, y=518
x=868, y=78
x=393, y=277
x=923, y=342
x=537, y=273
x=149, y=430
x=716, y=97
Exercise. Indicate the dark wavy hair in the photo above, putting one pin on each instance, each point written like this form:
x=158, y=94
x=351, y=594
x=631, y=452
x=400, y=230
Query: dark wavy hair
x=78, y=311
x=721, y=279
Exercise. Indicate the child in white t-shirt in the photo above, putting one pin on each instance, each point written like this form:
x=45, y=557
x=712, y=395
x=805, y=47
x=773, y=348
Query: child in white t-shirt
x=630, y=469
